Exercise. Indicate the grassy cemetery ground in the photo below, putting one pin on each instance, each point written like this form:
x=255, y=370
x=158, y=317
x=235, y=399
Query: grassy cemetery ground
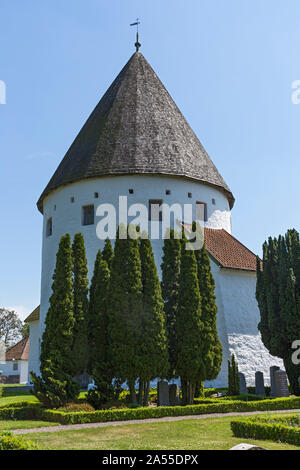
x=213, y=433
x=8, y=425
x=16, y=394
x=206, y=434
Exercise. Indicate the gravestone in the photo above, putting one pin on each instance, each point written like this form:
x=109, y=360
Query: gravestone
x=163, y=394
x=243, y=385
x=273, y=369
x=281, y=384
x=174, y=395
x=259, y=384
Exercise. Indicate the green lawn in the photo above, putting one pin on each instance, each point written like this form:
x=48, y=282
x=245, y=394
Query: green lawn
x=16, y=396
x=13, y=424
x=206, y=434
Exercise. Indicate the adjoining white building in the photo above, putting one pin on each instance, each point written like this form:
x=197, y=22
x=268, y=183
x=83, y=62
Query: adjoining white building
x=15, y=368
x=136, y=143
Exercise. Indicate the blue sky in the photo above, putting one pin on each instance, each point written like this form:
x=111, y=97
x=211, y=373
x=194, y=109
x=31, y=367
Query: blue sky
x=229, y=65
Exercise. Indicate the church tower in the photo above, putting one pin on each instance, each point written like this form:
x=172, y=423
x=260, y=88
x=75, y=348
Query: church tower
x=136, y=143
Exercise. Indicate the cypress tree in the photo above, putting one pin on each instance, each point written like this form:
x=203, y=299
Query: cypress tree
x=170, y=268
x=55, y=387
x=93, y=309
x=189, y=327
x=277, y=293
x=154, y=348
x=212, y=348
x=233, y=377
x=100, y=364
x=124, y=311
x=108, y=253
x=79, y=350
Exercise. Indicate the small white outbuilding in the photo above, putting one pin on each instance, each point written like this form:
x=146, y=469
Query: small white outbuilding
x=15, y=367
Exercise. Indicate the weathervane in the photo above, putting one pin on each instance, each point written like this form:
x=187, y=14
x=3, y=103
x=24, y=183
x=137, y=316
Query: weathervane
x=136, y=23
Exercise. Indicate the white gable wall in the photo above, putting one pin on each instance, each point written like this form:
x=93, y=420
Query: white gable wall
x=238, y=318
x=34, y=349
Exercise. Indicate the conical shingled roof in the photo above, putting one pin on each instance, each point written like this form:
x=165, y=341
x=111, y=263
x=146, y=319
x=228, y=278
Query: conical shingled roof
x=136, y=128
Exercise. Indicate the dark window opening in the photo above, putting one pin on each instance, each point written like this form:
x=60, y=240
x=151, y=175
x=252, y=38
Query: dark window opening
x=72, y=199
x=213, y=201
x=168, y=192
x=201, y=211
x=131, y=191
x=155, y=210
x=49, y=227
x=96, y=195
x=88, y=215
x=190, y=195
x=15, y=366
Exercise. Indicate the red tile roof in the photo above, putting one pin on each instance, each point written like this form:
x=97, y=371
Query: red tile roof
x=19, y=351
x=226, y=250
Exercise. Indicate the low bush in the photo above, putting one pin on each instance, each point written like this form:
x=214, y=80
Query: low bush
x=10, y=442
x=1, y=390
x=241, y=397
x=279, y=429
x=73, y=407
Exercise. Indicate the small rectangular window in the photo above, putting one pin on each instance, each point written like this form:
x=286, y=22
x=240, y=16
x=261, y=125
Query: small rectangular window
x=190, y=195
x=201, y=211
x=96, y=195
x=72, y=199
x=49, y=227
x=168, y=192
x=155, y=211
x=213, y=201
x=15, y=366
x=88, y=215
x=131, y=191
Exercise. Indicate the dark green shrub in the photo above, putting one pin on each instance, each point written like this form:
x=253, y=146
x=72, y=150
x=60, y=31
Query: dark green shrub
x=264, y=428
x=10, y=442
x=1, y=390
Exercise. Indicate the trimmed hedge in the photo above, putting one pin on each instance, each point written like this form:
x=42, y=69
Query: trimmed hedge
x=211, y=406
x=160, y=412
x=27, y=411
x=256, y=428
x=10, y=442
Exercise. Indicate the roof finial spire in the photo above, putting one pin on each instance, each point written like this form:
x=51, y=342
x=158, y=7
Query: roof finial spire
x=137, y=44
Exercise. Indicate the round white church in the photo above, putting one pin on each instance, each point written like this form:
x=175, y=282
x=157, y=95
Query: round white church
x=136, y=143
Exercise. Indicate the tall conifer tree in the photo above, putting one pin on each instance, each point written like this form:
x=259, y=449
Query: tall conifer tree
x=154, y=347
x=125, y=309
x=189, y=327
x=100, y=364
x=212, y=348
x=170, y=268
x=55, y=387
x=79, y=350
x=278, y=296
x=108, y=253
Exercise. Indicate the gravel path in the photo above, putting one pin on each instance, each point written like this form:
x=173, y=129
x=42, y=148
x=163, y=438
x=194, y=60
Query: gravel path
x=167, y=419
